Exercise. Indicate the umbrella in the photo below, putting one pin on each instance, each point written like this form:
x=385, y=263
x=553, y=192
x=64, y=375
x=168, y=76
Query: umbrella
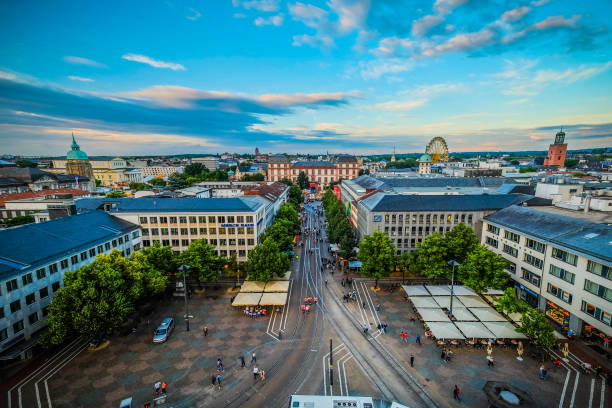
x=565, y=351
x=489, y=348
x=520, y=350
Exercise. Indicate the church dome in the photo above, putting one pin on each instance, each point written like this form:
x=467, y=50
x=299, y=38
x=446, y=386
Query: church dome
x=75, y=152
x=425, y=158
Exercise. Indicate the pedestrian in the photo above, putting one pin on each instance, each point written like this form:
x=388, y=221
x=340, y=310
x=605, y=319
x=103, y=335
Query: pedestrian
x=542, y=372
x=262, y=374
x=214, y=380
x=205, y=331
x=490, y=361
x=378, y=307
x=418, y=339
x=378, y=327
x=219, y=379
x=443, y=355
x=365, y=330
x=255, y=373
x=164, y=385
x=157, y=387
x=242, y=363
x=402, y=335
x=363, y=304
x=456, y=393
x=253, y=358
x=411, y=360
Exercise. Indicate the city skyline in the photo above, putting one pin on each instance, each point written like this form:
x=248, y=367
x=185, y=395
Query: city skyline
x=337, y=76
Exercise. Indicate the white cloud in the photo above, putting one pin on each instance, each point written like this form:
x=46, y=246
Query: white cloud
x=398, y=106
x=259, y=5
x=429, y=91
x=462, y=42
x=323, y=41
x=351, y=13
x=83, y=61
x=272, y=20
x=390, y=46
x=557, y=21
x=515, y=14
x=239, y=15
x=195, y=16
x=154, y=63
x=374, y=69
x=442, y=8
x=307, y=13
x=78, y=78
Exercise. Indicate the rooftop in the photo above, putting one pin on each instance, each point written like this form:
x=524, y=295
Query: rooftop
x=474, y=202
x=598, y=217
x=40, y=194
x=582, y=236
x=313, y=164
x=35, y=244
x=187, y=204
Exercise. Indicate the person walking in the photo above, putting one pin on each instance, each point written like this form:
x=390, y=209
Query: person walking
x=253, y=358
x=262, y=374
x=363, y=304
x=255, y=373
x=205, y=331
x=490, y=361
x=213, y=380
x=164, y=385
x=157, y=387
x=542, y=372
x=378, y=307
x=242, y=363
x=411, y=360
x=219, y=379
x=456, y=393
x=443, y=355
x=418, y=339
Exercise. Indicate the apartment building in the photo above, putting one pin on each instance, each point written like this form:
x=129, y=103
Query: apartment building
x=560, y=265
x=34, y=259
x=409, y=219
x=320, y=173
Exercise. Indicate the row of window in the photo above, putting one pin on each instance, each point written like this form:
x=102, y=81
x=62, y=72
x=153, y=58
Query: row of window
x=559, y=293
x=532, y=260
x=29, y=299
x=599, y=269
x=492, y=242
x=397, y=231
x=597, y=313
x=19, y=326
x=531, y=277
x=185, y=243
x=562, y=274
x=598, y=290
x=429, y=218
x=510, y=250
x=196, y=231
x=212, y=219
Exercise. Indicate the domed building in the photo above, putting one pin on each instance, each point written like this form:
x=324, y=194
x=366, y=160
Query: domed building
x=78, y=163
x=425, y=164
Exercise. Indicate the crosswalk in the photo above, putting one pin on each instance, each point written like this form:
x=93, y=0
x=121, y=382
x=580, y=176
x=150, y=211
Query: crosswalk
x=341, y=356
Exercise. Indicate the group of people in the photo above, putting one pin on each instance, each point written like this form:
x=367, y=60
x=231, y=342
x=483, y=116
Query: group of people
x=160, y=386
x=307, y=303
x=382, y=328
x=256, y=312
x=352, y=295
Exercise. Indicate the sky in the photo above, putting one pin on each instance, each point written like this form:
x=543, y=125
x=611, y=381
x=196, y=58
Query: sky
x=343, y=76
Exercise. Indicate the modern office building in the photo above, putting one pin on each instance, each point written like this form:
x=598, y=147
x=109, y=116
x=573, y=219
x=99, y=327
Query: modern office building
x=211, y=162
x=560, y=265
x=35, y=257
x=409, y=219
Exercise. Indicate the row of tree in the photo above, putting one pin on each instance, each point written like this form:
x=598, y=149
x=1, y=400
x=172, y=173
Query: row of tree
x=339, y=230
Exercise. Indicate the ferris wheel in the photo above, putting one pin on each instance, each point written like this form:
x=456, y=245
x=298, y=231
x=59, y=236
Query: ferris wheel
x=437, y=149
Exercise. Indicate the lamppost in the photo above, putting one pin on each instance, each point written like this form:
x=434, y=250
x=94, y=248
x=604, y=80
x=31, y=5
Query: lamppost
x=453, y=263
x=184, y=269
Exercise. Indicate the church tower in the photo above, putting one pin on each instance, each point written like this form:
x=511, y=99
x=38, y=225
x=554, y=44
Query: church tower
x=78, y=163
x=557, y=151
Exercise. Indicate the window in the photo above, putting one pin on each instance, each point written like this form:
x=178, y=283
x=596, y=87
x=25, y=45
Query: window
x=250, y=230
x=154, y=231
x=493, y=229
x=120, y=240
x=530, y=277
x=492, y=242
x=3, y=334
x=33, y=318
x=153, y=220
x=535, y=245
x=559, y=293
x=469, y=218
x=241, y=241
x=145, y=232
x=511, y=267
x=172, y=220
x=211, y=218
x=212, y=242
x=564, y=256
x=241, y=252
x=92, y=252
x=55, y=286
x=164, y=231
x=185, y=242
x=31, y=298
x=128, y=251
x=240, y=218
x=165, y=242
x=53, y=268
x=212, y=230
x=135, y=234
x=64, y=263
x=100, y=249
x=45, y=311
x=40, y=273
x=223, y=242
x=597, y=313
x=1, y=312
x=249, y=218
x=74, y=259
x=163, y=220
x=175, y=242
x=598, y=290
x=532, y=260
x=193, y=219
x=510, y=251
x=193, y=231
x=183, y=231
x=183, y=220
x=512, y=236
x=17, y=327
x=44, y=292
x=250, y=241
x=26, y=279
x=562, y=274
x=15, y=306
x=107, y=246
x=143, y=220
x=202, y=219
x=173, y=231
x=202, y=231
x=84, y=255
x=599, y=269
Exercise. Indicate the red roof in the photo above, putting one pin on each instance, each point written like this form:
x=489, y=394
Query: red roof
x=40, y=193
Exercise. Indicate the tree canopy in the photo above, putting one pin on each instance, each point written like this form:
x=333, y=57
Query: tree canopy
x=201, y=257
x=483, y=269
x=432, y=257
x=376, y=253
x=536, y=326
x=509, y=302
x=116, y=194
x=288, y=212
x=460, y=241
x=266, y=261
x=176, y=182
x=302, y=180
x=295, y=195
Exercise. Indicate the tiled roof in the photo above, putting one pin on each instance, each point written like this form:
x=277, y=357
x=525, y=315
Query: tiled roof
x=345, y=158
x=187, y=204
x=313, y=164
x=582, y=236
x=35, y=244
x=475, y=202
x=443, y=182
x=41, y=193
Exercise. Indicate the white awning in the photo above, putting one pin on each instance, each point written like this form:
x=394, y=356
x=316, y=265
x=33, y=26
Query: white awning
x=487, y=314
x=252, y=286
x=516, y=317
x=277, y=286
x=424, y=301
x=474, y=330
x=273, y=299
x=432, y=314
x=415, y=290
x=247, y=299
x=438, y=290
x=504, y=330
x=463, y=291
x=444, y=330
x=444, y=301
x=494, y=292
x=473, y=301
x=462, y=314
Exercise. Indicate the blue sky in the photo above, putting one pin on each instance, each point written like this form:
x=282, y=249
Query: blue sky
x=350, y=76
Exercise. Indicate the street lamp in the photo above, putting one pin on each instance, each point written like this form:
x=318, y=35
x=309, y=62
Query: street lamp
x=184, y=269
x=453, y=263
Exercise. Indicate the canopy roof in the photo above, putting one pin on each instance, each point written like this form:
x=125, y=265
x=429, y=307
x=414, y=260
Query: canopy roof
x=438, y=290
x=433, y=314
x=247, y=299
x=252, y=286
x=474, y=330
x=273, y=299
x=487, y=314
x=424, y=301
x=462, y=314
x=415, y=290
x=277, y=286
x=444, y=301
x=463, y=291
x=473, y=301
x=515, y=317
x=504, y=330
x=355, y=264
x=333, y=247
x=445, y=330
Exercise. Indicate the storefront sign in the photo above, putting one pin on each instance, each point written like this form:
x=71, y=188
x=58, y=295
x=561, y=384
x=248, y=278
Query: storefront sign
x=237, y=225
x=377, y=218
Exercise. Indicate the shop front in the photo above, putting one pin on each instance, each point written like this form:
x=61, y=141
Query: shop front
x=528, y=296
x=557, y=313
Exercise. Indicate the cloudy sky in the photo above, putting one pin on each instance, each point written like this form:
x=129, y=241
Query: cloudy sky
x=155, y=77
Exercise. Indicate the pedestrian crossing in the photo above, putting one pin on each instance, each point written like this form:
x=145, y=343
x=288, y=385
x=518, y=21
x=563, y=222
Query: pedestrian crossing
x=341, y=356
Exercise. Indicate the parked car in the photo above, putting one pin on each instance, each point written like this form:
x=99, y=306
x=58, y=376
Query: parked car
x=163, y=331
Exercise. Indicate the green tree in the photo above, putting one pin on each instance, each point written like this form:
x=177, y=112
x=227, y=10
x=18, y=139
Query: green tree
x=194, y=169
x=514, y=162
x=235, y=269
x=483, y=269
x=176, y=182
x=460, y=241
x=162, y=257
x=266, y=261
x=571, y=163
x=295, y=195
x=364, y=172
x=403, y=164
x=509, y=302
x=537, y=327
x=139, y=186
x=529, y=169
x=346, y=248
x=26, y=163
x=302, y=180
x=116, y=194
x=286, y=181
x=407, y=263
x=98, y=183
x=288, y=212
x=281, y=232
x=432, y=257
x=253, y=177
x=19, y=220
x=157, y=182
x=204, y=264
x=376, y=253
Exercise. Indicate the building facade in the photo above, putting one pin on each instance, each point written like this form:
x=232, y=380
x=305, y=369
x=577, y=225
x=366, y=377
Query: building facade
x=78, y=163
x=557, y=151
x=35, y=257
x=211, y=162
x=425, y=164
x=321, y=173
x=560, y=265
x=19, y=180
